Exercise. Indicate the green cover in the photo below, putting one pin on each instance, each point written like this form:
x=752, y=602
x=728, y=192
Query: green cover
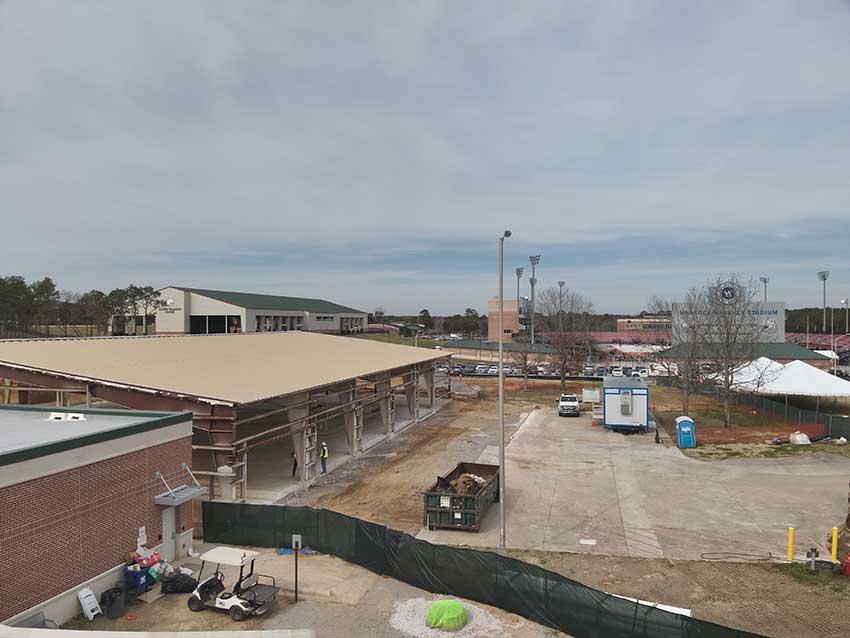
x=446, y=614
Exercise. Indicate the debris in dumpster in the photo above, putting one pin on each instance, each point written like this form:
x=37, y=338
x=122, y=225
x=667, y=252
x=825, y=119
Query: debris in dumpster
x=467, y=484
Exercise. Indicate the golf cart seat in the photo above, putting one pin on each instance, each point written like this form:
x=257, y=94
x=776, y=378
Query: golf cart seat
x=260, y=594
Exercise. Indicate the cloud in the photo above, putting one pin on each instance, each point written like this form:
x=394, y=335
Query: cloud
x=159, y=141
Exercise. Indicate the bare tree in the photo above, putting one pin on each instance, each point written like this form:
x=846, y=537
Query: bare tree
x=690, y=325
x=566, y=320
x=521, y=358
x=735, y=327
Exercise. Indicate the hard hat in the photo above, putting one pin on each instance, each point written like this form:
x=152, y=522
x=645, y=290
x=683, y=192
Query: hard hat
x=323, y=443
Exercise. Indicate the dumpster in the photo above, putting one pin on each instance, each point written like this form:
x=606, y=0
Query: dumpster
x=686, y=433
x=448, y=508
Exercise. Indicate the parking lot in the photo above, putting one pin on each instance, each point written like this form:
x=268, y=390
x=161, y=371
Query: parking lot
x=576, y=487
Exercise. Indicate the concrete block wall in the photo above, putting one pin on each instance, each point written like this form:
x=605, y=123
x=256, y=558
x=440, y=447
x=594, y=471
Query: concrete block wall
x=60, y=530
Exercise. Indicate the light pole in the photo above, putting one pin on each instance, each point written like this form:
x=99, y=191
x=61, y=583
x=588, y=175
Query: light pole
x=561, y=285
x=823, y=275
x=502, y=533
x=764, y=280
x=846, y=317
x=534, y=259
x=518, y=272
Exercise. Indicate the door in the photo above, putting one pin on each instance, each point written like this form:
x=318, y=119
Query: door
x=168, y=534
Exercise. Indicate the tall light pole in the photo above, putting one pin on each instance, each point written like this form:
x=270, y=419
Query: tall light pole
x=502, y=533
x=823, y=275
x=561, y=285
x=764, y=280
x=518, y=272
x=846, y=317
x=534, y=259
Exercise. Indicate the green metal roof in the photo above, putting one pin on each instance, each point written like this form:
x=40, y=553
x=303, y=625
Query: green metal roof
x=270, y=302
x=777, y=350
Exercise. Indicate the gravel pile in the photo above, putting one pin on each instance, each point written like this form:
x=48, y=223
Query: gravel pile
x=410, y=618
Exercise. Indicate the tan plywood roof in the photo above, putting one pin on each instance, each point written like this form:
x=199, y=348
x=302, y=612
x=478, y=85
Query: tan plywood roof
x=230, y=368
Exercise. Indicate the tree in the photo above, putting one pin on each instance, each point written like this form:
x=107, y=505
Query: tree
x=67, y=309
x=45, y=298
x=94, y=309
x=120, y=307
x=426, y=319
x=566, y=319
x=734, y=329
x=378, y=314
x=471, y=321
x=16, y=304
x=689, y=335
x=148, y=301
x=521, y=358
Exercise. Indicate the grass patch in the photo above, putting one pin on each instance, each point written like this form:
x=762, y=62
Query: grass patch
x=821, y=577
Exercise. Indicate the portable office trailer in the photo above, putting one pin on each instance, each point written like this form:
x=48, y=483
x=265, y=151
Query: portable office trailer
x=626, y=404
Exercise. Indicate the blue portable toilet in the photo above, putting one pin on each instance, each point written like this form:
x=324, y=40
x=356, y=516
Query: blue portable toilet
x=686, y=433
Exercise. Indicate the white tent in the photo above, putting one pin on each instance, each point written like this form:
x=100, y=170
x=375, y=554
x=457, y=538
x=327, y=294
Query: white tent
x=754, y=376
x=801, y=379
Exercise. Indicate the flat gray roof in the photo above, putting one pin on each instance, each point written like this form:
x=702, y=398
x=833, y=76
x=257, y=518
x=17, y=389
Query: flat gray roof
x=28, y=432
x=623, y=382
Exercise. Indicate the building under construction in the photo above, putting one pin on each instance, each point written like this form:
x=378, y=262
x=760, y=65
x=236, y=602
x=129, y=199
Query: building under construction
x=262, y=403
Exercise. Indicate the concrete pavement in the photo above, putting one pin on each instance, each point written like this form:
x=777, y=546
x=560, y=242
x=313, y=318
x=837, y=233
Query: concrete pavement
x=579, y=488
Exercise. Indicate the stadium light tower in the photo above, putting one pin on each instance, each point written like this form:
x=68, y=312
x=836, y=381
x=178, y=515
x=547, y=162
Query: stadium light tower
x=534, y=259
x=764, y=280
x=502, y=532
x=518, y=272
x=846, y=317
x=823, y=275
x=561, y=285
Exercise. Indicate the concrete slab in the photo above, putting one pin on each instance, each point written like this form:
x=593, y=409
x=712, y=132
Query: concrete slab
x=572, y=486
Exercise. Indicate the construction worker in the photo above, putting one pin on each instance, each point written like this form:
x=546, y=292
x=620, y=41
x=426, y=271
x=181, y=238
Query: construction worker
x=323, y=456
x=294, y=462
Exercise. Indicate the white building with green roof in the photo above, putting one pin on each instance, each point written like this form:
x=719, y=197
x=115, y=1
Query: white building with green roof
x=201, y=311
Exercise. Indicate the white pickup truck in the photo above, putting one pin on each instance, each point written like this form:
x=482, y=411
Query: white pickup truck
x=569, y=405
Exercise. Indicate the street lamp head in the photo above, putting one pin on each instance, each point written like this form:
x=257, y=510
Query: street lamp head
x=764, y=280
x=561, y=284
x=519, y=272
x=506, y=234
x=823, y=275
x=534, y=259
x=843, y=302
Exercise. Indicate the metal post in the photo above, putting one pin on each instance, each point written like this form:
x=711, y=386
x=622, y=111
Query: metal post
x=502, y=522
x=535, y=259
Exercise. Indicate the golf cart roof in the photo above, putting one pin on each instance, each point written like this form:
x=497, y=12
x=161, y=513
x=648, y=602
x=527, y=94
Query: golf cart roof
x=231, y=556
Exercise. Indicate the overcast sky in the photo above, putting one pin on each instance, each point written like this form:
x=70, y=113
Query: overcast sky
x=372, y=153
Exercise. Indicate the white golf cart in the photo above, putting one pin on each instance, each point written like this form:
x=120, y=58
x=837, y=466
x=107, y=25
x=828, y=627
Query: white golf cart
x=247, y=598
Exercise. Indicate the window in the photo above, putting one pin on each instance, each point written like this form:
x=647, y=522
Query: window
x=324, y=318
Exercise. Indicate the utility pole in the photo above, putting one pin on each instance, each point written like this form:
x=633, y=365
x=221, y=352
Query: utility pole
x=534, y=259
x=764, y=280
x=846, y=317
x=502, y=523
x=823, y=275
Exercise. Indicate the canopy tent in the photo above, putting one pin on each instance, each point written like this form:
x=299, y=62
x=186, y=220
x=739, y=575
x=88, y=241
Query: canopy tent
x=800, y=379
x=755, y=375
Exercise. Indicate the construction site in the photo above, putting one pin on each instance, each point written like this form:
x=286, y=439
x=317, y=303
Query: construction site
x=413, y=459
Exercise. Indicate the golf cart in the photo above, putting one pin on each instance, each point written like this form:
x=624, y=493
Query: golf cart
x=247, y=598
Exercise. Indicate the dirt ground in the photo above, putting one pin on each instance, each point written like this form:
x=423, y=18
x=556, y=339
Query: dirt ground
x=385, y=486
x=749, y=425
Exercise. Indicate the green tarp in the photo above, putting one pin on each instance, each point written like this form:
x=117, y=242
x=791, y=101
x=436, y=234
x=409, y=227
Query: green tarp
x=446, y=614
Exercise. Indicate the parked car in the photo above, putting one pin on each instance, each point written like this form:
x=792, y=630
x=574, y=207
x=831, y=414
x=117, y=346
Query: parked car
x=469, y=369
x=627, y=371
x=568, y=405
x=493, y=370
x=643, y=372
x=599, y=372
x=616, y=371
x=481, y=369
x=533, y=371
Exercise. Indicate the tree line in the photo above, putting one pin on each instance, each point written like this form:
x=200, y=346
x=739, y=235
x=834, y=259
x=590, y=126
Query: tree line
x=39, y=308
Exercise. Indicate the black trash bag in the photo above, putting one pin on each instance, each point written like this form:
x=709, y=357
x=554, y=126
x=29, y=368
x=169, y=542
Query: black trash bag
x=112, y=602
x=178, y=583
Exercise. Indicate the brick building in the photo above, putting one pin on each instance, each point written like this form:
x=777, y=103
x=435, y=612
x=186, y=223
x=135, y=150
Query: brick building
x=76, y=486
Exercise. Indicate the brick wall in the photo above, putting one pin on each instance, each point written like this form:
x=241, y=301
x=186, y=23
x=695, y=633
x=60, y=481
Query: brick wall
x=60, y=530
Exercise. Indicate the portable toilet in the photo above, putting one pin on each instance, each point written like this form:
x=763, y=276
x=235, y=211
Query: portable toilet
x=686, y=433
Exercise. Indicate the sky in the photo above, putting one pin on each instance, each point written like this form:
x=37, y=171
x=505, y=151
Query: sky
x=372, y=153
